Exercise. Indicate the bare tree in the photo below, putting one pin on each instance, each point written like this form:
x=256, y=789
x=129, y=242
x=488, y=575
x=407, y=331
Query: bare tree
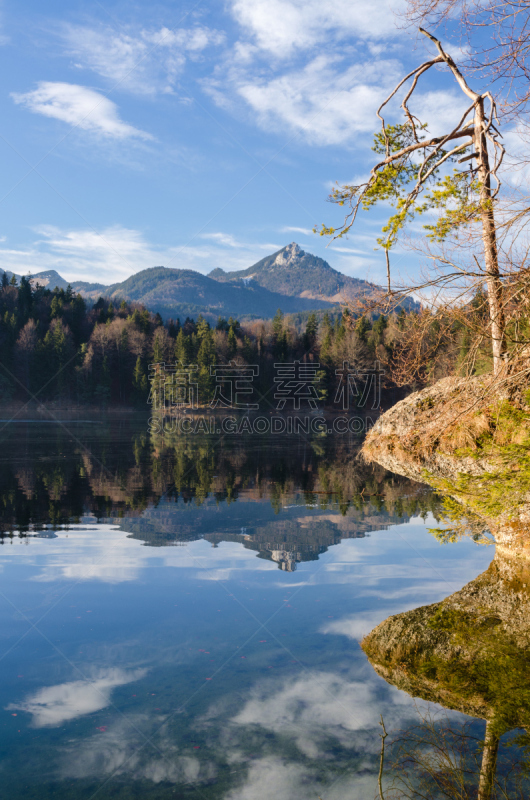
x=410, y=175
x=499, y=34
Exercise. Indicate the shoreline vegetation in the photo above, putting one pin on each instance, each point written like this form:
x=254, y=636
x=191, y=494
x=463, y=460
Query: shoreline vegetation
x=468, y=653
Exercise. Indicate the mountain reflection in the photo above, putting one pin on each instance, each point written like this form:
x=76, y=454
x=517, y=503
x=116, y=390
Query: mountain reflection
x=168, y=491
x=469, y=653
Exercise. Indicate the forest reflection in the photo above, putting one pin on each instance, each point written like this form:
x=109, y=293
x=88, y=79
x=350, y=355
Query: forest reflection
x=115, y=470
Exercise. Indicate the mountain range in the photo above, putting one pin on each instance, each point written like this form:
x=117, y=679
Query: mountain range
x=289, y=279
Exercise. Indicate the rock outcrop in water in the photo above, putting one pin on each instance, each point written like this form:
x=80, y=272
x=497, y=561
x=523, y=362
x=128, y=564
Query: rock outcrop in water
x=471, y=651
x=470, y=441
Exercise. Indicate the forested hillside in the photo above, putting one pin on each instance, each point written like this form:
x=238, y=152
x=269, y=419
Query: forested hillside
x=55, y=345
x=184, y=292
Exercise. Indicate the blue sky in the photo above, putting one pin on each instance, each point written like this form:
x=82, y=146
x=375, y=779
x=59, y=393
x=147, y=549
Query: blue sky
x=192, y=134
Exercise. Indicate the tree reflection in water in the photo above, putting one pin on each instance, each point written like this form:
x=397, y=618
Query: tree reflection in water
x=116, y=470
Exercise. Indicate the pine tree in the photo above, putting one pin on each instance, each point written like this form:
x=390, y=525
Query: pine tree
x=202, y=327
x=123, y=359
x=379, y=328
x=206, y=359
x=279, y=347
x=25, y=297
x=340, y=328
x=56, y=307
x=138, y=373
x=232, y=343
x=277, y=324
x=78, y=312
x=327, y=338
x=183, y=349
x=158, y=350
x=311, y=331
x=248, y=350
x=139, y=380
x=362, y=327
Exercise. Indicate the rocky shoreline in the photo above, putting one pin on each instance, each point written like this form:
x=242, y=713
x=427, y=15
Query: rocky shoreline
x=472, y=444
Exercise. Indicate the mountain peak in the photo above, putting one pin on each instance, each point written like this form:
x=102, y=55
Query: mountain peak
x=289, y=255
x=293, y=272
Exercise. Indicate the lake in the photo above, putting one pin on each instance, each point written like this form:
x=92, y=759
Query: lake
x=181, y=616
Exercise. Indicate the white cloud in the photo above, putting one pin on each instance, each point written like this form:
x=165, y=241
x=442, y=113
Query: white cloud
x=310, y=711
x=316, y=706
x=98, y=558
x=228, y=240
x=440, y=109
x=332, y=94
x=55, y=705
x=349, y=250
x=283, y=26
x=271, y=778
x=119, y=751
x=223, y=238
x=294, y=229
x=78, y=106
x=516, y=167
x=323, y=101
x=107, y=256
x=112, y=254
x=358, y=626
x=144, y=62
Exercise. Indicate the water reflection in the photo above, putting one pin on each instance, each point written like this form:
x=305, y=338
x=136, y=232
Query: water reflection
x=155, y=639
x=52, y=706
x=169, y=491
x=469, y=652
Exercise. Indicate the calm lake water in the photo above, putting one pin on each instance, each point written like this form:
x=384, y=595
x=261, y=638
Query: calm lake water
x=182, y=617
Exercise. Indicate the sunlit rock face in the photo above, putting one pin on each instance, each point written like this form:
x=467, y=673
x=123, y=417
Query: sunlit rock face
x=289, y=255
x=469, y=652
x=435, y=436
x=409, y=437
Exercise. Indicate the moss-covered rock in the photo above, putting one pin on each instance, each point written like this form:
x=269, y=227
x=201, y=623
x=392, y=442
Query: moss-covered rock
x=469, y=652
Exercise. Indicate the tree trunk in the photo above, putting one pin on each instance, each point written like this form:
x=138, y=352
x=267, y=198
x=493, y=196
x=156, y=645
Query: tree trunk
x=489, y=763
x=489, y=241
